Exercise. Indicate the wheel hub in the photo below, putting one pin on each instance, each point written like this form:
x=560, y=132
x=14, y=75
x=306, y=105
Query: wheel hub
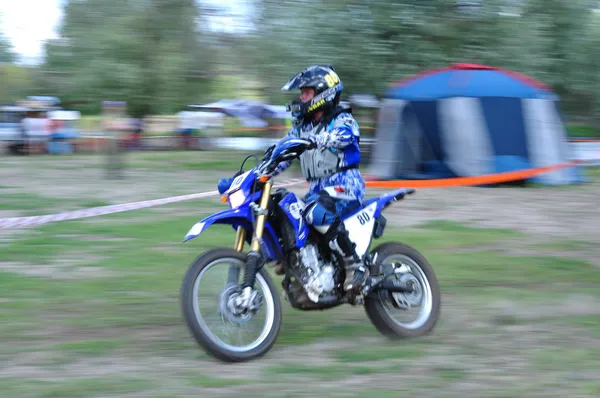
x=231, y=304
x=409, y=299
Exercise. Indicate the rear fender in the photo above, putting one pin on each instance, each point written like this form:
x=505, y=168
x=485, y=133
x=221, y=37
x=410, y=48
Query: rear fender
x=387, y=199
x=240, y=217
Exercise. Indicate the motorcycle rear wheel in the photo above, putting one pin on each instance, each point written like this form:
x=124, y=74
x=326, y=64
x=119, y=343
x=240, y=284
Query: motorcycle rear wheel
x=380, y=304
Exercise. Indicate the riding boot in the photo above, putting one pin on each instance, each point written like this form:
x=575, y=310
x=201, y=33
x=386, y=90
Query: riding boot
x=356, y=274
x=340, y=242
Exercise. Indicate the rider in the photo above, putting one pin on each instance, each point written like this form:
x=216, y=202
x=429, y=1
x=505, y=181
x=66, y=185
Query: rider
x=331, y=167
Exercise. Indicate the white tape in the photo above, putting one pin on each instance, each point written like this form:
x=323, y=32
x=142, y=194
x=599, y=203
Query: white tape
x=17, y=222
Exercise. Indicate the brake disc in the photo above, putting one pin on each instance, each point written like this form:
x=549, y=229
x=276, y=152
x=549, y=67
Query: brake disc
x=409, y=299
x=228, y=308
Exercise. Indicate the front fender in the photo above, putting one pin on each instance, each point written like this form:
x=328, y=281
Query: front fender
x=240, y=217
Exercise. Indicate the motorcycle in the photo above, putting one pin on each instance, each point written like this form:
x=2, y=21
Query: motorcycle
x=271, y=221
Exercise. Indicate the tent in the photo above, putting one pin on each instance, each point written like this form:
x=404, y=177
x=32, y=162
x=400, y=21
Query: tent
x=468, y=120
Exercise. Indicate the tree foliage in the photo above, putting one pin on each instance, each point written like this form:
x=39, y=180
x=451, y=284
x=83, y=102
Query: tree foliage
x=159, y=55
x=6, y=53
x=146, y=52
x=374, y=43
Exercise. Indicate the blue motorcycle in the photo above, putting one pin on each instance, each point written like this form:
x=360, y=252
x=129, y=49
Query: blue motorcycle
x=271, y=221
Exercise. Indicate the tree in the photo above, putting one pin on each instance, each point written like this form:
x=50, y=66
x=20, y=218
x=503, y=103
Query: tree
x=374, y=43
x=6, y=54
x=147, y=53
x=14, y=79
x=15, y=82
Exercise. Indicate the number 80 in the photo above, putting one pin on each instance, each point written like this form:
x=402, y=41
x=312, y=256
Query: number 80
x=332, y=79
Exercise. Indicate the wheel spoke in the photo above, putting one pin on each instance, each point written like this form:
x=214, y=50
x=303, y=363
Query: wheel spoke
x=402, y=303
x=235, y=327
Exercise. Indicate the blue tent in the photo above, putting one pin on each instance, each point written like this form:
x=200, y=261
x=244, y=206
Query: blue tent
x=469, y=120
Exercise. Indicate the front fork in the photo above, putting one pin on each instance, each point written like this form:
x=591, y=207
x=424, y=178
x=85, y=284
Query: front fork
x=254, y=260
x=240, y=236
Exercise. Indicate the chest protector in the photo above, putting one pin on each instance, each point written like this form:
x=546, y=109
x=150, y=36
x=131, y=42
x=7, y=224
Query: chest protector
x=320, y=162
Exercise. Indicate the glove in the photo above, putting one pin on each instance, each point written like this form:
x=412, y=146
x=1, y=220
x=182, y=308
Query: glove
x=267, y=168
x=268, y=152
x=313, y=140
x=224, y=184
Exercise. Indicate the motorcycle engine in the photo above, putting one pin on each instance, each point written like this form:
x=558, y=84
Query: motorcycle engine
x=315, y=276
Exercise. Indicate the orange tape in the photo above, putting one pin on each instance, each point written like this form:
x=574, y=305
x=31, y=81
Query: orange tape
x=469, y=181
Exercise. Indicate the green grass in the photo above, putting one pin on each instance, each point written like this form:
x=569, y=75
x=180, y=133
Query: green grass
x=31, y=204
x=89, y=347
x=24, y=201
x=133, y=252
x=576, y=360
x=149, y=261
x=194, y=160
x=132, y=310
x=368, y=353
x=593, y=173
x=160, y=160
x=323, y=372
x=76, y=388
x=568, y=245
x=93, y=203
x=451, y=373
x=584, y=326
x=444, y=235
x=200, y=380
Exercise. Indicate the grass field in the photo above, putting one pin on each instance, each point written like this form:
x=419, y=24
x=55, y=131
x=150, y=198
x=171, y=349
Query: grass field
x=90, y=307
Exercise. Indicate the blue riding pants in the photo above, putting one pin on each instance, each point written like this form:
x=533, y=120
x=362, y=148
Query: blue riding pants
x=323, y=209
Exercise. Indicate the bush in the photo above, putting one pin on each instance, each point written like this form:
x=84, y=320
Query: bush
x=582, y=131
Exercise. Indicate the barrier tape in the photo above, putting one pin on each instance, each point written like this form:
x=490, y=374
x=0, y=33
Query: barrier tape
x=470, y=181
x=17, y=222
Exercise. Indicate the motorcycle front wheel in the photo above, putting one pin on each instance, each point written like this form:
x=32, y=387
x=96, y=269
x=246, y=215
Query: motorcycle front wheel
x=205, y=326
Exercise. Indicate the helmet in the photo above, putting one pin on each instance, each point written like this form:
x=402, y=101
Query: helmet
x=327, y=85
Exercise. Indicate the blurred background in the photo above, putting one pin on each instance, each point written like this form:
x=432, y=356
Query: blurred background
x=178, y=92
x=161, y=56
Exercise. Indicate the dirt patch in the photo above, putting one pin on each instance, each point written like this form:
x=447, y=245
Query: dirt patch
x=551, y=212
x=574, y=305
x=95, y=238
x=518, y=248
x=64, y=268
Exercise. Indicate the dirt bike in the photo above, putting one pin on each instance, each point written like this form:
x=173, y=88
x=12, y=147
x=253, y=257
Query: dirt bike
x=271, y=222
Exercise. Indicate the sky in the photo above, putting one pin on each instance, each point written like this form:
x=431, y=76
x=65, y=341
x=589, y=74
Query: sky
x=28, y=23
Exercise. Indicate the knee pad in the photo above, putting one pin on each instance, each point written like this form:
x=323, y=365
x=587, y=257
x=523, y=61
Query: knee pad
x=318, y=216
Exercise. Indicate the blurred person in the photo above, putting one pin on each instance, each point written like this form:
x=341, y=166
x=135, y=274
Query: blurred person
x=113, y=126
x=137, y=129
x=186, y=129
x=336, y=185
x=36, y=128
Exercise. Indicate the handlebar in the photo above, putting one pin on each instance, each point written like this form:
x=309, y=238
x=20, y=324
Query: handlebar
x=288, y=148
